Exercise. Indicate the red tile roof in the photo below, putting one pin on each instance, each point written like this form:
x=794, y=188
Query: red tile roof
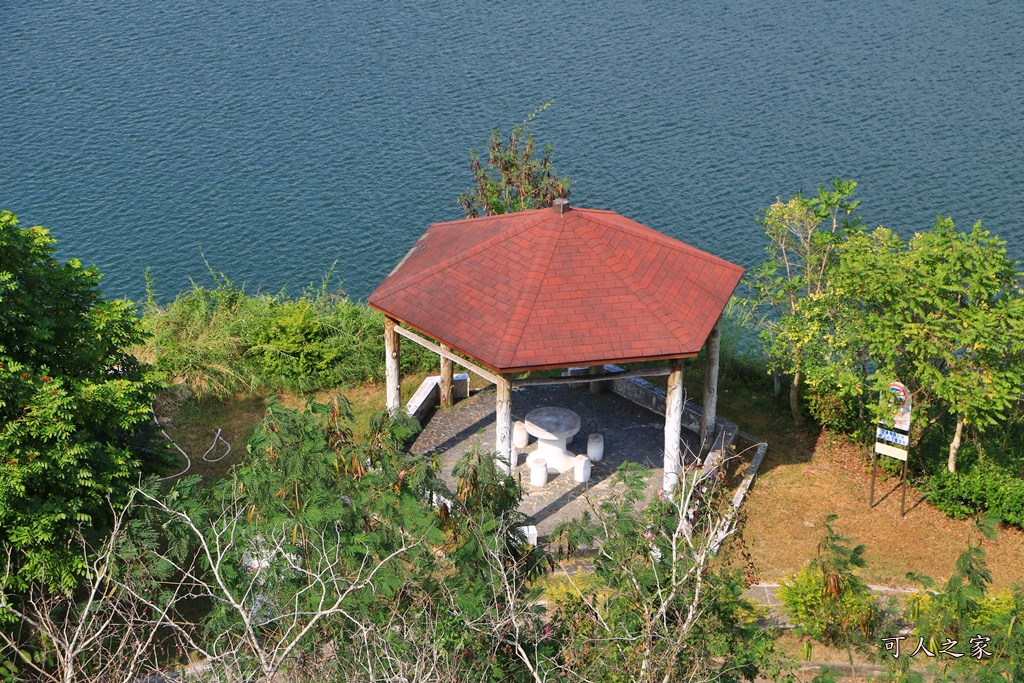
x=536, y=289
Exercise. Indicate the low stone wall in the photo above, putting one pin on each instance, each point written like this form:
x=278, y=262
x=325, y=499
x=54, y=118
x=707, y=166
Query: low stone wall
x=428, y=395
x=643, y=393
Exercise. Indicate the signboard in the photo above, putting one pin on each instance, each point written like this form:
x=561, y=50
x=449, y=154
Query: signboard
x=894, y=441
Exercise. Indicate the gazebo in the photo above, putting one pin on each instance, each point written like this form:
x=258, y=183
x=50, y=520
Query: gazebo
x=553, y=288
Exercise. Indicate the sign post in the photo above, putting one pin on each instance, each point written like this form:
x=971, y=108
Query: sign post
x=894, y=441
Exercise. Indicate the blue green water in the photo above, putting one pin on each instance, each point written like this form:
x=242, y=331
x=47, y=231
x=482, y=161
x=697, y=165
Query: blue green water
x=279, y=138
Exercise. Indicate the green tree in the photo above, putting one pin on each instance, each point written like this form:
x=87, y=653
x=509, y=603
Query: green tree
x=74, y=407
x=661, y=609
x=803, y=235
x=943, y=313
x=513, y=177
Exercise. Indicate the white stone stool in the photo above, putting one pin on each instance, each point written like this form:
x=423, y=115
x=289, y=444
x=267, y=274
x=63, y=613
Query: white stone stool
x=520, y=437
x=595, y=447
x=531, y=534
x=581, y=471
x=538, y=470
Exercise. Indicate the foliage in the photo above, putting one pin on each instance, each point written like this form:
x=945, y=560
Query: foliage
x=827, y=600
x=222, y=340
x=110, y=629
x=803, y=236
x=74, y=407
x=985, y=487
x=961, y=609
x=943, y=313
x=513, y=178
x=660, y=610
x=322, y=542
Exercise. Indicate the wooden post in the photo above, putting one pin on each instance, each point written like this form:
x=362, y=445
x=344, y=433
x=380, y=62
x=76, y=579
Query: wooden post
x=446, y=379
x=503, y=445
x=673, y=423
x=392, y=371
x=708, y=414
x=595, y=387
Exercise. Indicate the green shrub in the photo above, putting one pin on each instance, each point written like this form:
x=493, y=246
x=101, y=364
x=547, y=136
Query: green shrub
x=222, y=340
x=827, y=601
x=986, y=487
x=832, y=410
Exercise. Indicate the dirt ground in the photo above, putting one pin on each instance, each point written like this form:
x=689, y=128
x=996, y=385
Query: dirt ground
x=815, y=475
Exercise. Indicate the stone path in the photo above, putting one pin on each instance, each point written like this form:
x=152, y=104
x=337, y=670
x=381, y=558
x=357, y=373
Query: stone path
x=630, y=433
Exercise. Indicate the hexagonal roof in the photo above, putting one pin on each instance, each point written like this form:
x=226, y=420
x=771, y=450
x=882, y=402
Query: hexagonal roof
x=542, y=289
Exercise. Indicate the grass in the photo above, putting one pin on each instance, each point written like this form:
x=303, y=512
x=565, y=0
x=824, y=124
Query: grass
x=192, y=422
x=808, y=474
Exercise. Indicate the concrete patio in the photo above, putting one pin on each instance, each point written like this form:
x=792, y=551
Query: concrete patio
x=631, y=433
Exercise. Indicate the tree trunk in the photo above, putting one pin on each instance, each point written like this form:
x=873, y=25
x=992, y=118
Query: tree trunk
x=794, y=399
x=955, y=446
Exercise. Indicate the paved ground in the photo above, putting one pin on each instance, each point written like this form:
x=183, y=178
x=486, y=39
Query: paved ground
x=630, y=433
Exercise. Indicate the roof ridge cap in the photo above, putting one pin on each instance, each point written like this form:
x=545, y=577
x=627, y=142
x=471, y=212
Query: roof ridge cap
x=528, y=295
x=455, y=258
x=669, y=241
x=603, y=251
x=489, y=217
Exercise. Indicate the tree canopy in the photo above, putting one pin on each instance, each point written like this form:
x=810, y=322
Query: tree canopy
x=74, y=404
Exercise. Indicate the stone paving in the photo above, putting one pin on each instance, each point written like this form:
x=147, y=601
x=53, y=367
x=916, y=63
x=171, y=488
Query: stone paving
x=630, y=433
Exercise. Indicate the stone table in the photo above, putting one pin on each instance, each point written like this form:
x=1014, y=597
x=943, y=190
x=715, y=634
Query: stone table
x=552, y=427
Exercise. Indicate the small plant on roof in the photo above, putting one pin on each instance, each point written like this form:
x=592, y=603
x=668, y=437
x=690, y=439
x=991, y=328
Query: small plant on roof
x=513, y=178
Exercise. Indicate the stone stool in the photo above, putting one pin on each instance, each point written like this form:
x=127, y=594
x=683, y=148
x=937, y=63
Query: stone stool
x=538, y=470
x=531, y=534
x=581, y=471
x=520, y=437
x=595, y=447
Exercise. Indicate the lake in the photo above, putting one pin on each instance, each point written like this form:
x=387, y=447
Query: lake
x=274, y=141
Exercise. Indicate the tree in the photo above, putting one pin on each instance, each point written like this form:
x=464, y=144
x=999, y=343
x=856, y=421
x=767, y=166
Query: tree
x=661, y=609
x=803, y=235
x=513, y=178
x=964, y=610
x=943, y=313
x=74, y=407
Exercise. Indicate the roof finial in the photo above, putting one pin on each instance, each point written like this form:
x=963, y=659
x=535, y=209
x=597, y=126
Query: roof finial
x=561, y=206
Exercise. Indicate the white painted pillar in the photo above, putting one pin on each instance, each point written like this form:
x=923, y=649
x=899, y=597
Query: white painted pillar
x=446, y=379
x=673, y=423
x=503, y=445
x=709, y=412
x=392, y=370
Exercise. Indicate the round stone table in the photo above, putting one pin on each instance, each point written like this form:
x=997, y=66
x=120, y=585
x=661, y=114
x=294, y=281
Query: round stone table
x=552, y=426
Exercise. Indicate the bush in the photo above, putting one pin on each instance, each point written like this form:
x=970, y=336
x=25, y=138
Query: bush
x=986, y=487
x=222, y=340
x=827, y=600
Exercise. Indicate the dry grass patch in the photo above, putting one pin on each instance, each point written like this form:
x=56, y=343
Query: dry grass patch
x=797, y=489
